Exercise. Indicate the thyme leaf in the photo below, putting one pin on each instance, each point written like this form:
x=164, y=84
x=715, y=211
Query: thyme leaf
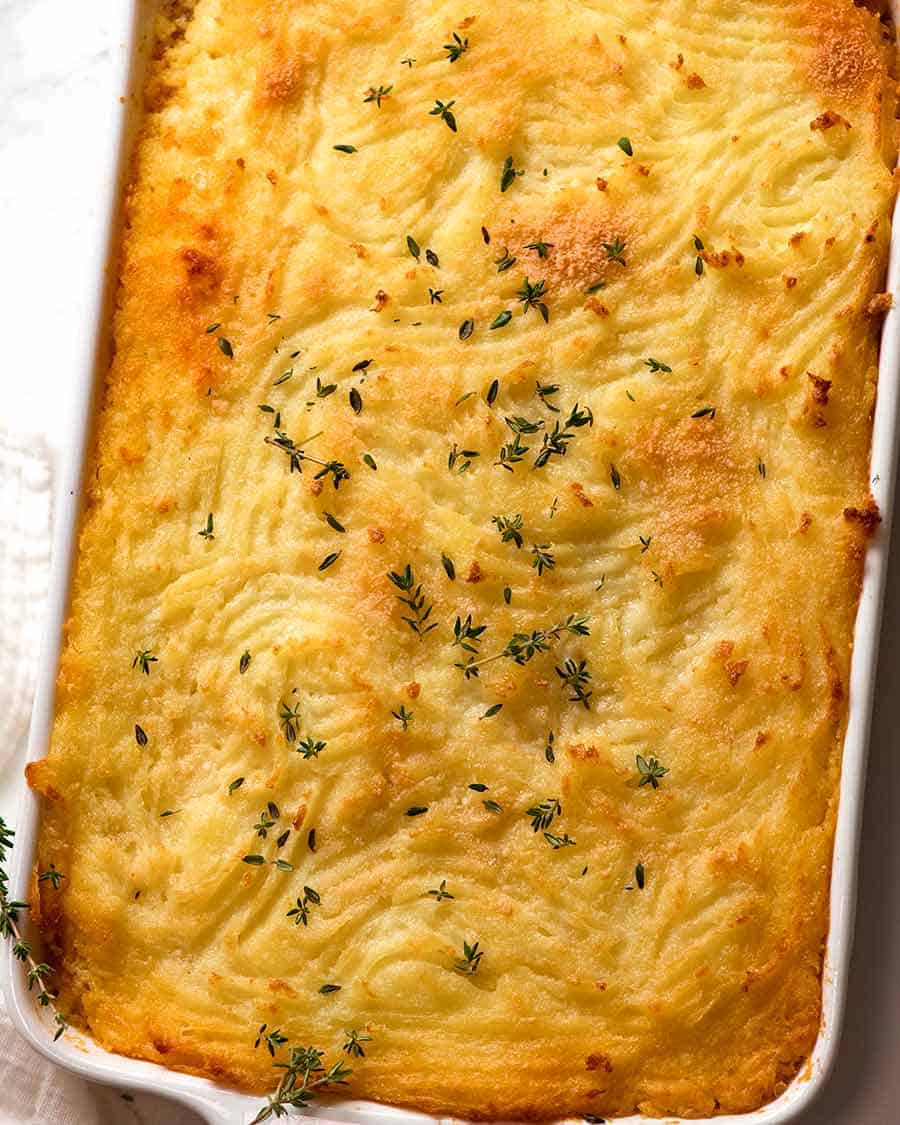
x=443, y=112
x=471, y=959
x=143, y=659
x=510, y=528
x=353, y=1046
x=650, y=771
x=403, y=716
x=509, y=174
x=377, y=94
x=575, y=677
x=457, y=48
x=523, y=647
x=440, y=893
x=614, y=251
x=303, y=1076
x=530, y=296
x=542, y=814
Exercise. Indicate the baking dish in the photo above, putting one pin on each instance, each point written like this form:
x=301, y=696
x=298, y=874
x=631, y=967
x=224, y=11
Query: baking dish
x=224, y=1106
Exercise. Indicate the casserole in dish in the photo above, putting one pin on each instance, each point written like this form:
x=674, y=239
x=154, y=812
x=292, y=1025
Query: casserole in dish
x=627, y=487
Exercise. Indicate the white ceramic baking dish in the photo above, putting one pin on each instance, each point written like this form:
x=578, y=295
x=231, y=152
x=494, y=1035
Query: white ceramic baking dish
x=221, y=1106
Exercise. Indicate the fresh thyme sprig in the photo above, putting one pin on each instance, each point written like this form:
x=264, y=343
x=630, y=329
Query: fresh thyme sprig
x=206, y=532
x=457, y=48
x=415, y=600
x=531, y=297
x=545, y=392
x=300, y=912
x=439, y=894
x=522, y=647
x=403, y=716
x=304, y=1075
x=470, y=960
x=273, y=1039
x=509, y=174
x=296, y=455
x=377, y=94
x=556, y=443
x=540, y=247
x=460, y=460
x=143, y=659
x=288, y=718
x=510, y=528
x=52, y=876
x=650, y=771
x=656, y=365
x=576, y=677
x=444, y=112
x=614, y=251
x=515, y=450
x=542, y=814
x=512, y=453
x=520, y=425
x=353, y=1046
x=267, y=818
x=557, y=842
x=466, y=634
x=543, y=559
x=310, y=747
x=38, y=971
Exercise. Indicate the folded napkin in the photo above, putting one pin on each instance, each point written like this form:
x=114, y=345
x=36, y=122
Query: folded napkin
x=32, y=1090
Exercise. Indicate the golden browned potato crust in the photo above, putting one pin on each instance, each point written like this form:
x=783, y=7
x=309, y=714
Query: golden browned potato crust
x=712, y=296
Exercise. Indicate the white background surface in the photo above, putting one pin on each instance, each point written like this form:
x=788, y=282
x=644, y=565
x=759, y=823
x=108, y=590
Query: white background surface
x=60, y=81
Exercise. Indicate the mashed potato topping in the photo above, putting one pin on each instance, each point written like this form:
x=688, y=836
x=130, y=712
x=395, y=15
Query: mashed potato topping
x=476, y=521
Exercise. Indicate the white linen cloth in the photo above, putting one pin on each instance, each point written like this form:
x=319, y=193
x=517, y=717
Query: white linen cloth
x=32, y=1090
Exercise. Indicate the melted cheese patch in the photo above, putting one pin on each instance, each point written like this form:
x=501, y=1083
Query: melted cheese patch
x=676, y=295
